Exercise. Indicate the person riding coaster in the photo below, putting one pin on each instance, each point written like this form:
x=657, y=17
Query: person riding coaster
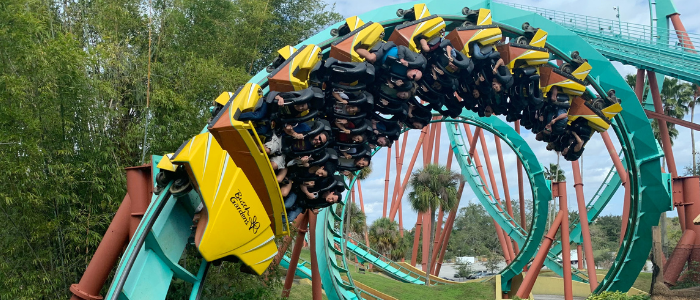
x=310, y=143
x=324, y=194
x=381, y=127
x=397, y=60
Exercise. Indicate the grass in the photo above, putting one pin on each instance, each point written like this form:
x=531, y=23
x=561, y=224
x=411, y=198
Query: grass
x=409, y=291
x=643, y=281
x=302, y=291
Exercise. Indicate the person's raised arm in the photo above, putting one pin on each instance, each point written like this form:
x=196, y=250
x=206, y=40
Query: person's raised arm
x=338, y=98
x=362, y=52
x=499, y=63
x=424, y=45
x=579, y=142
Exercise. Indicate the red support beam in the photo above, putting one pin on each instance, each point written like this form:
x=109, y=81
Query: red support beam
x=623, y=178
x=494, y=189
x=436, y=148
x=302, y=224
x=686, y=124
x=402, y=189
x=416, y=238
x=585, y=229
x=534, y=271
x=480, y=169
x=521, y=188
x=316, y=286
x=639, y=85
x=565, y=242
x=399, y=166
x=386, y=178
x=448, y=229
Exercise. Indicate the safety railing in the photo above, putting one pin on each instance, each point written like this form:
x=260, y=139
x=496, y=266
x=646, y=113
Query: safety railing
x=632, y=39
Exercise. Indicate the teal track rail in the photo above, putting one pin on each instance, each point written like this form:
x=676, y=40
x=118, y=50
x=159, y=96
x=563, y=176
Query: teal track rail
x=303, y=267
x=382, y=262
x=642, y=46
x=150, y=261
x=461, y=149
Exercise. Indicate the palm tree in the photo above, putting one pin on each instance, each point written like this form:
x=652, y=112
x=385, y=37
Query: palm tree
x=434, y=186
x=384, y=235
x=355, y=221
x=691, y=104
x=676, y=97
x=554, y=173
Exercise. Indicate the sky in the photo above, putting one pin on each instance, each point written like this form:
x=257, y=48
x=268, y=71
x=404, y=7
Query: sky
x=596, y=160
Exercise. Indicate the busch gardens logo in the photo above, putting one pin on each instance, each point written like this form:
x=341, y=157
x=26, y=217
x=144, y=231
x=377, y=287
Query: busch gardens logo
x=244, y=212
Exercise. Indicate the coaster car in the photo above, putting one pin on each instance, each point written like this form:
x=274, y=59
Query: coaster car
x=416, y=12
x=365, y=36
x=351, y=24
x=312, y=96
x=243, y=145
x=284, y=53
x=231, y=204
x=411, y=33
x=598, y=119
x=571, y=84
x=484, y=34
x=293, y=73
x=518, y=55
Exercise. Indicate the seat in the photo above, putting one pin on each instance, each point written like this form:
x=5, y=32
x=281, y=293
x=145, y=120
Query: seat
x=409, y=34
x=483, y=33
x=365, y=36
x=573, y=85
x=293, y=73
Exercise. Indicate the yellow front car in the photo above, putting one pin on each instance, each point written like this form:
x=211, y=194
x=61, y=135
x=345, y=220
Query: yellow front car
x=410, y=33
x=484, y=33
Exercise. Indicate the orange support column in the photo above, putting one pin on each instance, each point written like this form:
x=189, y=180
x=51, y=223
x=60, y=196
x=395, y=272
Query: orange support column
x=480, y=169
x=448, y=229
x=402, y=189
x=534, y=271
x=302, y=224
x=386, y=179
x=494, y=189
x=316, y=285
x=565, y=244
x=585, y=229
x=416, y=238
x=521, y=188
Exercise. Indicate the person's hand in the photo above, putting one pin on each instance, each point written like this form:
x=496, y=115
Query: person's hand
x=288, y=127
x=404, y=62
x=304, y=159
x=346, y=131
x=315, y=211
x=298, y=136
x=280, y=100
x=347, y=156
x=383, y=101
x=451, y=65
x=341, y=121
x=376, y=131
x=495, y=71
x=481, y=77
x=375, y=121
x=399, y=82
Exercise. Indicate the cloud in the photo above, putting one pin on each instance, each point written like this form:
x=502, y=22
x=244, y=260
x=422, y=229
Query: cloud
x=596, y=162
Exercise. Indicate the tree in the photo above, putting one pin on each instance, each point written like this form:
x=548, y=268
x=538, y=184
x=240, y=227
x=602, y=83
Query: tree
x=493, y=261
x=384, y=235
x=473, y=233
x=554, y=173
x=73, y=115
x=355, y=221
x=691, y=104
x=433, y=186
x=464, y=270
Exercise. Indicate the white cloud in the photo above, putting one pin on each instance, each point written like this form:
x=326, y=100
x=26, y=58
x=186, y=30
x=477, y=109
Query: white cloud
x=596, y=161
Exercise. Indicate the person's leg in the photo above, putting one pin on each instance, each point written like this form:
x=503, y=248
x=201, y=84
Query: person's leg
x=293, y=214
x=290, y=200
x=258, y=114
x=370, y=57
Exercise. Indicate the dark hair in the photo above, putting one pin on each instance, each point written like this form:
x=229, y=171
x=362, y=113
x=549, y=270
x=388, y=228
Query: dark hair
x=330, y=167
